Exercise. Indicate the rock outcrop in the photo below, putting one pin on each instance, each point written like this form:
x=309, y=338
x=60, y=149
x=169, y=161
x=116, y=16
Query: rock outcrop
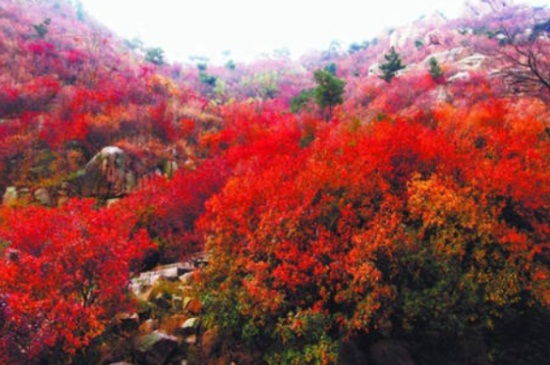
x=113, y=173
x=174, y=272
x=474, y=62
x=155, y=348
x=42, y=196
x=167, y=328
x=105, y=175
x=10, y=196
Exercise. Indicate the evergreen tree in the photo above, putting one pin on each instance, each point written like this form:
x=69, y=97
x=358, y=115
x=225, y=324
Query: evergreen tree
x=204, y=77
x=435, y=69
x=392, y=65
x=329, y=90
x=202, y=66
x=301, y=100
x=42, y=28
x=79, y=11
x=207, y=79
x=155, y=55
x=331, y=67
x=230, y=65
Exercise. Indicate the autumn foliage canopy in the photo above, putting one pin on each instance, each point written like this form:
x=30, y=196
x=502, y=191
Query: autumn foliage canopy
x=438, y=222
x=387, y=210
x=63, y=278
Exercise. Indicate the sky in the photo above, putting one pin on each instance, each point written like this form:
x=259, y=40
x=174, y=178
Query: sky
x=249, y=28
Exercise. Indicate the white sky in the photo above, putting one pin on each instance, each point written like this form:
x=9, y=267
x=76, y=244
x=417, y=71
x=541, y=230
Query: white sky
x=248, y=28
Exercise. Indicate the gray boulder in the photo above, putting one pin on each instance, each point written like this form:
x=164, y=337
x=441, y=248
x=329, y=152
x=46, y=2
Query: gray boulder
x=189, y=327
x=474, y=62
x=10, y=196
x=104, y=176
x=42, y=196
x=156, y=348
x=128, y=322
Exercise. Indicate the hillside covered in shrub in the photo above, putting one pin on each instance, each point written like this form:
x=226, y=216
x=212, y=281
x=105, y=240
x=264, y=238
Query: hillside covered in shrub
x=384, y=204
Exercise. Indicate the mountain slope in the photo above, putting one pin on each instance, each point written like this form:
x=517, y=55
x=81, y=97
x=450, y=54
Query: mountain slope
x=399, y=219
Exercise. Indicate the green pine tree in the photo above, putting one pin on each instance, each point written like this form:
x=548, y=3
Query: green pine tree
x=392, y=65
x=42, y=28
x=79, y=11
x=329, y=90
x=155, y=55
x=301, y=100
x=435, y=69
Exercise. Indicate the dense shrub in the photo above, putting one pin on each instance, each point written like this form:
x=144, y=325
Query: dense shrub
x=387, y=229
x=63, y=276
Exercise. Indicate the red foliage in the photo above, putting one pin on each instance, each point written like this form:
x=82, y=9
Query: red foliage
x=168, y=209
x=421, y=203
x=58, y=132
x=187, y=128
x=41, y=48
x=163, y=122
x=339, y=227
x=63, y=277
